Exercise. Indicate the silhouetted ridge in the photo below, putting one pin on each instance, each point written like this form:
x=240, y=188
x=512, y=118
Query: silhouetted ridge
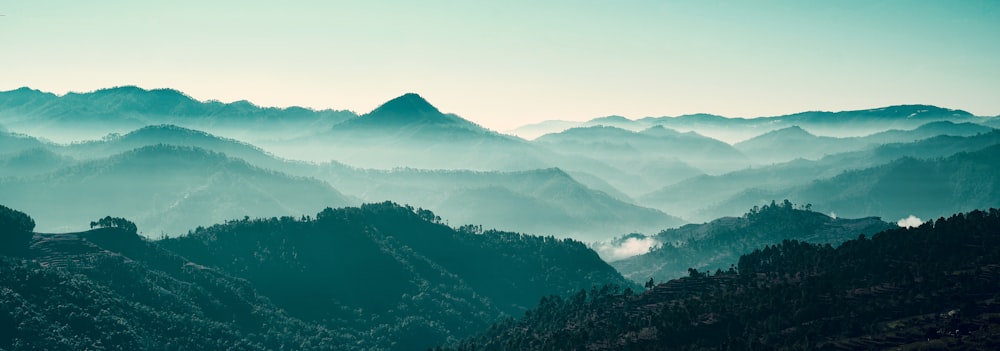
x=409, y=104
x=409, y=109
x=408, y=113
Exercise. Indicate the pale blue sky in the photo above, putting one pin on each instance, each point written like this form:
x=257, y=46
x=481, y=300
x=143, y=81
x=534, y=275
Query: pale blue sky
x=507, y=63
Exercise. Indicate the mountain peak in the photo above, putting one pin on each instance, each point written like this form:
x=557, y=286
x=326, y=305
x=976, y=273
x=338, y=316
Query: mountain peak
x=409, y=110
x=792, y=130
x=410, y=104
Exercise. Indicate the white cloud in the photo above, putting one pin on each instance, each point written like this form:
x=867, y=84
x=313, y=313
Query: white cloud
x=910, y=222
x=618, y=250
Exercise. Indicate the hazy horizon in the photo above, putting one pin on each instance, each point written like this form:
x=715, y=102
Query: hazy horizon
x=511, y=64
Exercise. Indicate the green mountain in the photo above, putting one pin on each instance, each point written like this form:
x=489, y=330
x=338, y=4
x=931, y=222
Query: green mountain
x=932, y=287
x=381, y=276
x=108, y=289
x=718, y=244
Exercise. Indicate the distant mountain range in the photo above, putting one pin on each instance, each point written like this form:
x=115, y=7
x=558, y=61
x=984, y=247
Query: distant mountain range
x=603, y=178
x=81, y=116
x=192, y=225
x=925, y=188
x=773, y=147
x=644, y=149
x=708, y=197
x=735, y=129
x=409, y=132
x=546, y=201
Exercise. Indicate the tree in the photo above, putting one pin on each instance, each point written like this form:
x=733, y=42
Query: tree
x=14, y=220
x=115, y=222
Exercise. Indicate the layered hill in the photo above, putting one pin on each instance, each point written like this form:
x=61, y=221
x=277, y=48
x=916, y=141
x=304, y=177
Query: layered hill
x=736, y=129
x=925, y=188
x=546, y=201
x=166, y=189
x=698, y=198
x=794, y=142
x=932, y=287
x=659, y=156
x=568, y=207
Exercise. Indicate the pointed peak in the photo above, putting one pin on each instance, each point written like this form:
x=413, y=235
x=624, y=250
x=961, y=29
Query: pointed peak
x=407, y=104
x=408, y=110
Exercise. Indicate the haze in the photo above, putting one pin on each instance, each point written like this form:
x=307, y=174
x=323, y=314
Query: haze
x=507, y=64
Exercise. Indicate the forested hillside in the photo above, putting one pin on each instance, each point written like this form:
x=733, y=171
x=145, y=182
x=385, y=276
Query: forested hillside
x=719, y=243
x=931, y=287
x=379, y=276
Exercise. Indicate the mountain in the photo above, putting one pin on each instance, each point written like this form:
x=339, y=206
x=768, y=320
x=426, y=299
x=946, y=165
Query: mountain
x=166, y=189
x=546, y=201
x=461, y=195
x=378, y=277
x=80, y=116
x=928, y=130
x=32, y=162
x=719, y=243
x=932, y=287
x=992, y=122
x=925, y=188
x=659, y=156
x=409, y=112
x=838, y=124
x=786, y=144
x=773, y=147
x=168, y=134
x=697, y=198
x=13, y=143
x=407, y=131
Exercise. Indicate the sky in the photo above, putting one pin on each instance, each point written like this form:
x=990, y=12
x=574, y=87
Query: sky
x=507, y=63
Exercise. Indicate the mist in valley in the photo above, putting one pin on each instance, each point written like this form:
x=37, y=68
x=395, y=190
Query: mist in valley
x=503, y=176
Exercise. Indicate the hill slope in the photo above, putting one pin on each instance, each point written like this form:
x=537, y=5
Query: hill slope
x=699, y=198
x=932, y=287
x=545, y=201
x=926, y=188
x=165, y=189
x=719, y=243
x=378, y=277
